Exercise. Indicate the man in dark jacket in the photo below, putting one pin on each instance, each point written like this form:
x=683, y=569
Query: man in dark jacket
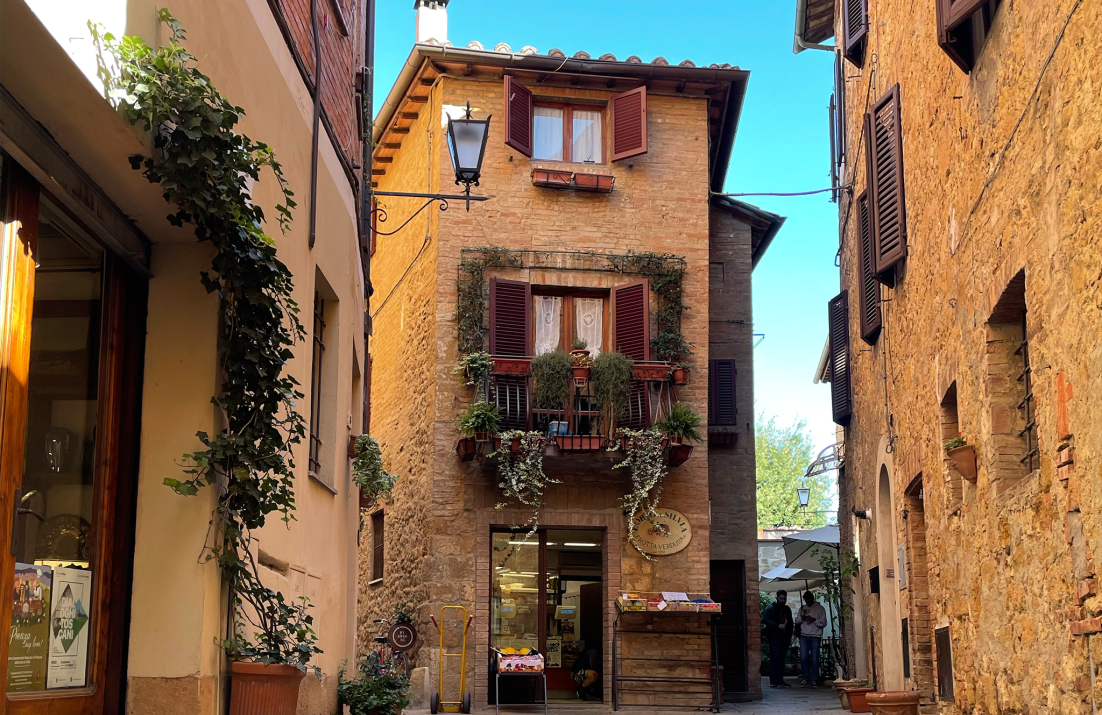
x=778, y=631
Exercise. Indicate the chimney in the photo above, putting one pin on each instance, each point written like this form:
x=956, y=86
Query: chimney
x=432, y=20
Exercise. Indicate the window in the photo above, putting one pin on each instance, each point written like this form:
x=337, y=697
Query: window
x=950, y=429
x=962, y=27
x=315, y=385
x=855, y=26
x=1012, y=407
x=377, y=546
x=884, y=166
x=568, y=133
x=943, y=651
x=560, y=319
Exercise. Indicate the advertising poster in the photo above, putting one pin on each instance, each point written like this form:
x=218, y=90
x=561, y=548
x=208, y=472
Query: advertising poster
x=69, y=628
x=28, y=641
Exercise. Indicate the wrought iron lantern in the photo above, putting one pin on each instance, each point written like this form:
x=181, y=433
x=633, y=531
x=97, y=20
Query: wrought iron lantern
x=467, y=145
x=803, y=495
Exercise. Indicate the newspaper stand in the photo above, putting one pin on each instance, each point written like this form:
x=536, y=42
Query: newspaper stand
x=630, y=613
x=495, y=665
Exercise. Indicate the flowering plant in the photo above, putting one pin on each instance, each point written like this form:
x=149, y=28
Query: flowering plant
x=380, y=688
x=955, y=442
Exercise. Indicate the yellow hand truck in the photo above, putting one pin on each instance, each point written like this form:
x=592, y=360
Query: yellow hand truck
x=436, y=700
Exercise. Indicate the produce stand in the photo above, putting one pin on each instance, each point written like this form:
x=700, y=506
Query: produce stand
x=530, y=665
x=681, y=617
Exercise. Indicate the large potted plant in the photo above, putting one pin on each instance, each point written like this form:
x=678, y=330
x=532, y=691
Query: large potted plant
x=962, y=457
x=893, y=702
x=553, y=373
x=378, y=688
x=610, y=381
x=681, y=425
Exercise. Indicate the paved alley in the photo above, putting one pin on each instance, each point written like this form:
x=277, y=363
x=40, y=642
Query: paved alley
x=790, y=701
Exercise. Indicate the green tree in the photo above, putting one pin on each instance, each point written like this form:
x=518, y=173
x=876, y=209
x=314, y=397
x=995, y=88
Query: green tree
x=783, y=455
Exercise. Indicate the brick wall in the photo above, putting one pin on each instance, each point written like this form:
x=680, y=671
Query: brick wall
x=987, y=197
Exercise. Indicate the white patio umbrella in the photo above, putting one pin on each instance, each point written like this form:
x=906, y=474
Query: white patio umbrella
x=783, y=578
x=799, y=548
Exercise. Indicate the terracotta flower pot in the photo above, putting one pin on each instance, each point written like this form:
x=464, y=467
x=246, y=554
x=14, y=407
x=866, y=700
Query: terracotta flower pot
x=466, y=448
x=857, y=699
x=259, y=689
x=514, y=447
x=481, y=436
x=963, y=459
x=893, y=702
x=679, y=454
x=580, y=442
x=581, y=372
x=680, y=376
x=650, y=371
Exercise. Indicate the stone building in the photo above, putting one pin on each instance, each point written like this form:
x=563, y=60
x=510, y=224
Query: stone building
x=109, y=353
x=576, y=235
x=967, y=140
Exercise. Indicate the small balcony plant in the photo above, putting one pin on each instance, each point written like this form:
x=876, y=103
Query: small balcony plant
x=682, y=426
x=610, y=378
x=368, y=474
x=580, y=356
x=962, y=457
x=475, y=366
x=553, y=373
x=479, y=421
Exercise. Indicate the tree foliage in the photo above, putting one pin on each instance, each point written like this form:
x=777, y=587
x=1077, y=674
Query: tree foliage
x=783, y=455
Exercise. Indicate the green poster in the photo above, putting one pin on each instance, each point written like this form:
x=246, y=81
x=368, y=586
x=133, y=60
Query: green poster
x=28, y=643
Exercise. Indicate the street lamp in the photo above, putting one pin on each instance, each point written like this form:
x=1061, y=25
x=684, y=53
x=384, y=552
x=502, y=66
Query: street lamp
x=467, y=144
x=803, y=494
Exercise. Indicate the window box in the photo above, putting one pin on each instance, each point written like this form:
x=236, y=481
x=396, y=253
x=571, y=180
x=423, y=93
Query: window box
x=511, y=366
x=601, y=183
x=624, y=443
x=679, y=454
x=680, y=375
x=580, y=442
x=466, y=448
x=551, y=178
x=650, y=371
x=722, y=439
x=963, y=460
x=514, y=447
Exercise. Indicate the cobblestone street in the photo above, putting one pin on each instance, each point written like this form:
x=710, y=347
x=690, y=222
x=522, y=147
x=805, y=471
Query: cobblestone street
x=790, y=701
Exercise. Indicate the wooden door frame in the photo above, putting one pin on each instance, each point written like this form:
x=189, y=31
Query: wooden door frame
x=121, y=359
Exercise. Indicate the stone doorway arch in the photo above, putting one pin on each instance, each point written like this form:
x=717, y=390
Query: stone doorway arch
x=891, y=635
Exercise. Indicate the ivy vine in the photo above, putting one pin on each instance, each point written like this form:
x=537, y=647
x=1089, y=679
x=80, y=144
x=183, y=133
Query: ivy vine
x=204, y=167
x=521, y=472
x=471, y=285
x=648, y=470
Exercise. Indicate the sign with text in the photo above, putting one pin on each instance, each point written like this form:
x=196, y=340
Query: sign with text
x=664, y=534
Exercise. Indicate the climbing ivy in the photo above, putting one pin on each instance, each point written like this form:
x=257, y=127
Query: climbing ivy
x=470, y=286
x=205, y=168
x=667, y=278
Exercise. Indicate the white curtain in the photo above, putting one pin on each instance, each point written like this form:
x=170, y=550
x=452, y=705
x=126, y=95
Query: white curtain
x=587, y=135
x=547, y=134
x=548, y=322
x=589, y=315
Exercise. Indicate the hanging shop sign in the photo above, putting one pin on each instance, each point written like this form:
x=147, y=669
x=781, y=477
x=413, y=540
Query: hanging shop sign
x=402, y=637
x=668, y=532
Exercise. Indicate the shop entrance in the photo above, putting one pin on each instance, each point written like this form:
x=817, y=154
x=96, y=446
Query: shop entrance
x=547, y=594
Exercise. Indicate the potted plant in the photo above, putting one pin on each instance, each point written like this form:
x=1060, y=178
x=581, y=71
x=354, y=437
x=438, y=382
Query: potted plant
x=681, y=425
x=857, y=701
x=475, y=366
x=378, y=688
x=601, y=183
x=579, y=355
x=679, y=375
x=893, y=702
x=610, y=381
x=479, y=421
x=520, y=470
x=375, y=483
x=840, y=687
x=962, y=457
x=551, y=178
x=553, y=373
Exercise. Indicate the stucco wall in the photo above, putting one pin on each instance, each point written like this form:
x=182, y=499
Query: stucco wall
x=986, y=198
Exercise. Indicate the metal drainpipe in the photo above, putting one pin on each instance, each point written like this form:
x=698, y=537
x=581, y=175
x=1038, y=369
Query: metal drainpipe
x=365, y=191
x=317, y=122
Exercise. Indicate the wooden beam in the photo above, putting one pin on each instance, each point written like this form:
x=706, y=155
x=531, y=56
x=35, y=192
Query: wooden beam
x=378, y=172
x=418, y=98
x=468, y=70
x=384, y=159
x=390, y=145
x=427, y=81
x=399, y=130
x=408, y=115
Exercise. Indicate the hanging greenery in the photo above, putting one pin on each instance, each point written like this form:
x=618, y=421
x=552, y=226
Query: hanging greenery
x=470, y=287
x=682, y=423
x=479, y=418
x=521, y=473
x=648, y=470
x=667, y=278
x=476, y=366
x=375, y=483
x=609, y=383
x=204, y=165
x=553, y=373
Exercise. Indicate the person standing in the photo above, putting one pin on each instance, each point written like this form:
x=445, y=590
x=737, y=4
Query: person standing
x=812, y=622
x=778, y=631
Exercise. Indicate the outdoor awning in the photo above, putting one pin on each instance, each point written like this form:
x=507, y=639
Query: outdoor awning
x=784, y=578
x=799, y=548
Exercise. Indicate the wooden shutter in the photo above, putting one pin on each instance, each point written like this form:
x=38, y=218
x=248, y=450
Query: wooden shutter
x=722, y=409
x=855, y=26
x=870, y=289
x=954, y=30
x=518, y=116
x=840, y=396
x=629, y=124
x=887, y=201
x=377, y=546
x=631, y=319
x=840, y=107
x=510, y=318
x=943, y=651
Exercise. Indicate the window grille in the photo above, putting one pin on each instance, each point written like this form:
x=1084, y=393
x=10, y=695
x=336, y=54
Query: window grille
x=1028, y=405
x=315, y=385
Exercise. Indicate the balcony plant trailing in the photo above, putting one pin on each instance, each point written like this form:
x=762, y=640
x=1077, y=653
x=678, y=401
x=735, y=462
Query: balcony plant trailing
x=648, y=470
x=477, y=423
x=203, y=164
x=962, y=457
x=520, y=472
x=474, y=366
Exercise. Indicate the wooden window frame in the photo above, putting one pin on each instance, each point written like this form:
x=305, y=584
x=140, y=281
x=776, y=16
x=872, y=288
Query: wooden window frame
x=568, y=295
x=956, y=32
x=943, y=652
x=568, y=133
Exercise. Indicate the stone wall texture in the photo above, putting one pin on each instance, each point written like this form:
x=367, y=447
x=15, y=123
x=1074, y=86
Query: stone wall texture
x=438, y=524
x=1002, y=172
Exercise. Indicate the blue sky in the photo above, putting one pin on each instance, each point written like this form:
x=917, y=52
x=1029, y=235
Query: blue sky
x=782, y=144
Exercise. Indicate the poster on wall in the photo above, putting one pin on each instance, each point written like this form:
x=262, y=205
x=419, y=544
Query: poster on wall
x=28, y=642
x=69, y=628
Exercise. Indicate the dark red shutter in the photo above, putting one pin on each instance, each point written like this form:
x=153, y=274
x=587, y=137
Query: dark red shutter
x=631, y=319
x=840, y=107
x=841, y=397
x=510, y=317
x=870, y=288
x=518, y=116
x=886, y=196
x=629, y=123
x=954, y=30
x=722, y=409
x=855, y=26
